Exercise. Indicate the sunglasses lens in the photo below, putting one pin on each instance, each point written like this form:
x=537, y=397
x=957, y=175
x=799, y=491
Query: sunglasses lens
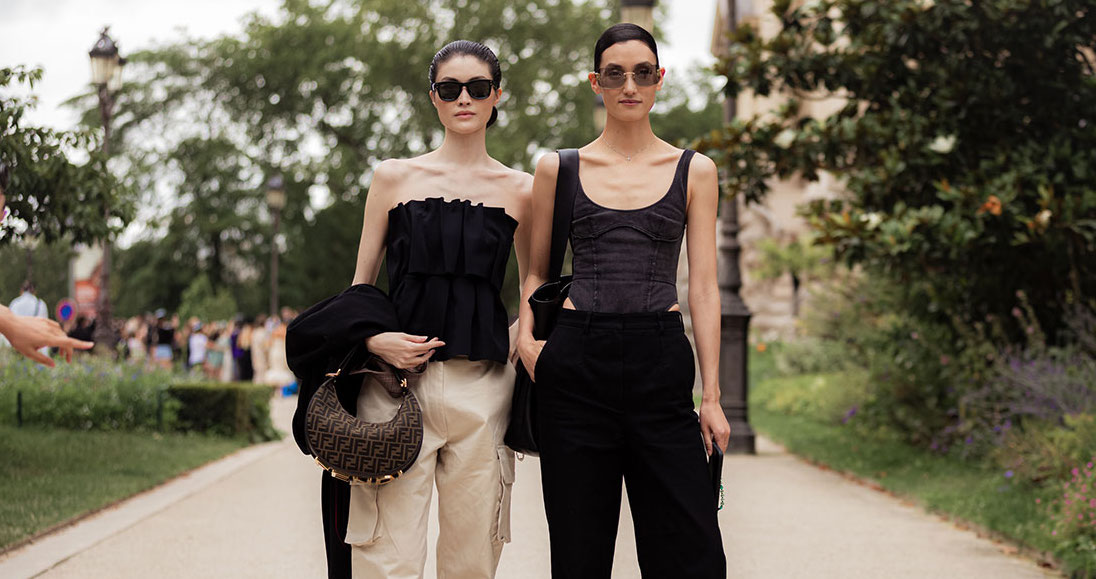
x=448, y=91
x=612, y=79
x=479, y=89
x=645, y=77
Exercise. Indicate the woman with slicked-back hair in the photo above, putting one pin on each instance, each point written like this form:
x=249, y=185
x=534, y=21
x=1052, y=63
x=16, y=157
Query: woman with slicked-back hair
x=614, y=379
x=446, y=222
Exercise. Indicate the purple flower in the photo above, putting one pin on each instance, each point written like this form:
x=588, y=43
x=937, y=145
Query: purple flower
x=1008, y=474
x=848, y=415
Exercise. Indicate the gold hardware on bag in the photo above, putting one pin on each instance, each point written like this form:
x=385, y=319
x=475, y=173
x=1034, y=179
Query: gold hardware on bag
x=357, y=451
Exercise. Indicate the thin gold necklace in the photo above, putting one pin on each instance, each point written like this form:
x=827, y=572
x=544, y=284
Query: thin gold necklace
x=626, y=156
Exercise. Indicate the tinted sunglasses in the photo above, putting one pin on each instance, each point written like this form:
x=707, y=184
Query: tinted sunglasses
x=449, y=91
x=643, y=75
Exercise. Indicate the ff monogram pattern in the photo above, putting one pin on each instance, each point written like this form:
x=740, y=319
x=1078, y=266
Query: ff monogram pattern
x=359, y=451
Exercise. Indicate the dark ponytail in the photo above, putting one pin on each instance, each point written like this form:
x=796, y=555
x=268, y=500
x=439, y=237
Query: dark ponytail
x=470, y=48
x=624, y=32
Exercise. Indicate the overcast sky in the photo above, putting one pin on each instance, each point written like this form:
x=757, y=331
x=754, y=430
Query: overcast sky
x=57, y=34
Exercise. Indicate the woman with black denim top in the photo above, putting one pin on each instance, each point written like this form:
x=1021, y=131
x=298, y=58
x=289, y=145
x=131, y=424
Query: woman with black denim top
x=447, y=220
x=614, y=380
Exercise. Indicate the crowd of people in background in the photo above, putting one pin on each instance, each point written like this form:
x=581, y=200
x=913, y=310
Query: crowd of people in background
x=241, y=349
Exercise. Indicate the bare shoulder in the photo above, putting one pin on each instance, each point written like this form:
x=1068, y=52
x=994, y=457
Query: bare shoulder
x=548, y=165
x=392, y=171
x=703, y=167
x=522, y=182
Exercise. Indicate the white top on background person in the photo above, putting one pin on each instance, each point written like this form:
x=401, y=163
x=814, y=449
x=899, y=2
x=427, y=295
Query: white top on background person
x=196, y=346
x=30, y=306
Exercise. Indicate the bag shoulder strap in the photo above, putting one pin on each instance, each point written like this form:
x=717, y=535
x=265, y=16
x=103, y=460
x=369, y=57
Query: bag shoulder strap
x=566, y=189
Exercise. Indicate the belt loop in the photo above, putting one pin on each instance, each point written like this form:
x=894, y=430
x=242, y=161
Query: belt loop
x=586, y=325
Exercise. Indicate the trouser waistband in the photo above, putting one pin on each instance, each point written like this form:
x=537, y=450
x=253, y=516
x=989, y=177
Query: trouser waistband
x=633, y=322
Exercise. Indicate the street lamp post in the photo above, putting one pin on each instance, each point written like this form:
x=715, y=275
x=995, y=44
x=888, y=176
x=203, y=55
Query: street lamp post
x=106, y=75
x=735, y=316
x=639, y=12
x=275, y=199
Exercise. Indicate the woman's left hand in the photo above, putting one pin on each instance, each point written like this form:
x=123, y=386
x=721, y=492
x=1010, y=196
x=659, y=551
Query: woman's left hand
x=714, y=425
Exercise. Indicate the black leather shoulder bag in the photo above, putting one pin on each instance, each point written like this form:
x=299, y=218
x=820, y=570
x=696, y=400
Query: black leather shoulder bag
x=546, y=302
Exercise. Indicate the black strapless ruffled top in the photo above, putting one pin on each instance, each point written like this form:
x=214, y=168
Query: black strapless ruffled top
x=446, y=264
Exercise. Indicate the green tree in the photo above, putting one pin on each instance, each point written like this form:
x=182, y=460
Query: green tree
x=320, y=94
x=201, y=301
x=967, y=144
x=50, y=270
x=50, y=195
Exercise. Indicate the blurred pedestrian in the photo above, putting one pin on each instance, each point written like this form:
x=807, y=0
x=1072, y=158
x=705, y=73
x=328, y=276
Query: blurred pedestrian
x=84, y=328
x=134, y=335
x=30, y=305
x=164, y=351
x=224, y=344
x=278, y=373
x=259, y=349
x=196, y=347
x=245, y=371
x=214, y=354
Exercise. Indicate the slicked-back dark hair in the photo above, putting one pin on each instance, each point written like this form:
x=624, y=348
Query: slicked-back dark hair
x=623, y=32
x=470, y=48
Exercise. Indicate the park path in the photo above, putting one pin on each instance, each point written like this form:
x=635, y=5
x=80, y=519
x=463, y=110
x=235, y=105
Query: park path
x=256, y=514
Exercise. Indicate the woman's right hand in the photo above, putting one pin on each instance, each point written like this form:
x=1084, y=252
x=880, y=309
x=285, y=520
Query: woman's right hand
x=403, y=350
x=529, y=350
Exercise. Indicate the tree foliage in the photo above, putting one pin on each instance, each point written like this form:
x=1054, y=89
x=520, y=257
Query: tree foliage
x=967, y=143
x=320, y=93
x=50, y=194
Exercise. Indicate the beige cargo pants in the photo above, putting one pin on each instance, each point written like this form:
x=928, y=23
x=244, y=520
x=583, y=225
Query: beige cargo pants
x=465, y=407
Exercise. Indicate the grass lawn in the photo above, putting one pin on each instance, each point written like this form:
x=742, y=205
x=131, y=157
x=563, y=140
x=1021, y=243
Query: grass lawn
x=49, y=476
x=969, y=491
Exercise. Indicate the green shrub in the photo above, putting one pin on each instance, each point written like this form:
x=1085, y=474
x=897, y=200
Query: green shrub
x=89, y=394
x=829, y=398
x=231, y=409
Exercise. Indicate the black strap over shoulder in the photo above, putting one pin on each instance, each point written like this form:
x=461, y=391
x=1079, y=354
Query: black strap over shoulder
x=566, y=188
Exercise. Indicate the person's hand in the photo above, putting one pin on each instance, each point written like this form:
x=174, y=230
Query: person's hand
x=529, y=350
x=27, y=335
x=403, y=350
x=513, y=342
x=714, y=425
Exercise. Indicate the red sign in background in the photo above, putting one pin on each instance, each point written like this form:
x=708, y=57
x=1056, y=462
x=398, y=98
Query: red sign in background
x=87, y=296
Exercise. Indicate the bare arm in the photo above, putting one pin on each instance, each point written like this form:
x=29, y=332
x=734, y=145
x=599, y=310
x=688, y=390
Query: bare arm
x=375, y=222
x=524, y=213
x=704, y=294
x=540, y=247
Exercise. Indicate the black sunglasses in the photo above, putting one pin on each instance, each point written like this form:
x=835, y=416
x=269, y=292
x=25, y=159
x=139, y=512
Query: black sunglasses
x=449, y=90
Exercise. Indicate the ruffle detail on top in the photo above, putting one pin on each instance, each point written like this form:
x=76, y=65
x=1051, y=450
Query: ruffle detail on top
x=446, y=266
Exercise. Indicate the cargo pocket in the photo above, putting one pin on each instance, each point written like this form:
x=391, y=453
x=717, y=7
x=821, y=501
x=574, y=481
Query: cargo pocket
x=363, y=526
x=506, y=479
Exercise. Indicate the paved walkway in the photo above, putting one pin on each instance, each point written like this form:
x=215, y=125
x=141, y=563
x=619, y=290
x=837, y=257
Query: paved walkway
x=256, y=514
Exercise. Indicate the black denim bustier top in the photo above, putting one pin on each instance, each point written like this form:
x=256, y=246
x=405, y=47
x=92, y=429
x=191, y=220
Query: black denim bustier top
x=625, y=260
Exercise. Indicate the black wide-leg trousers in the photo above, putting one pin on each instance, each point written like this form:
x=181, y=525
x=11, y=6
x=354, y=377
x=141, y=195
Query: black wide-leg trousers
x=615, y=403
